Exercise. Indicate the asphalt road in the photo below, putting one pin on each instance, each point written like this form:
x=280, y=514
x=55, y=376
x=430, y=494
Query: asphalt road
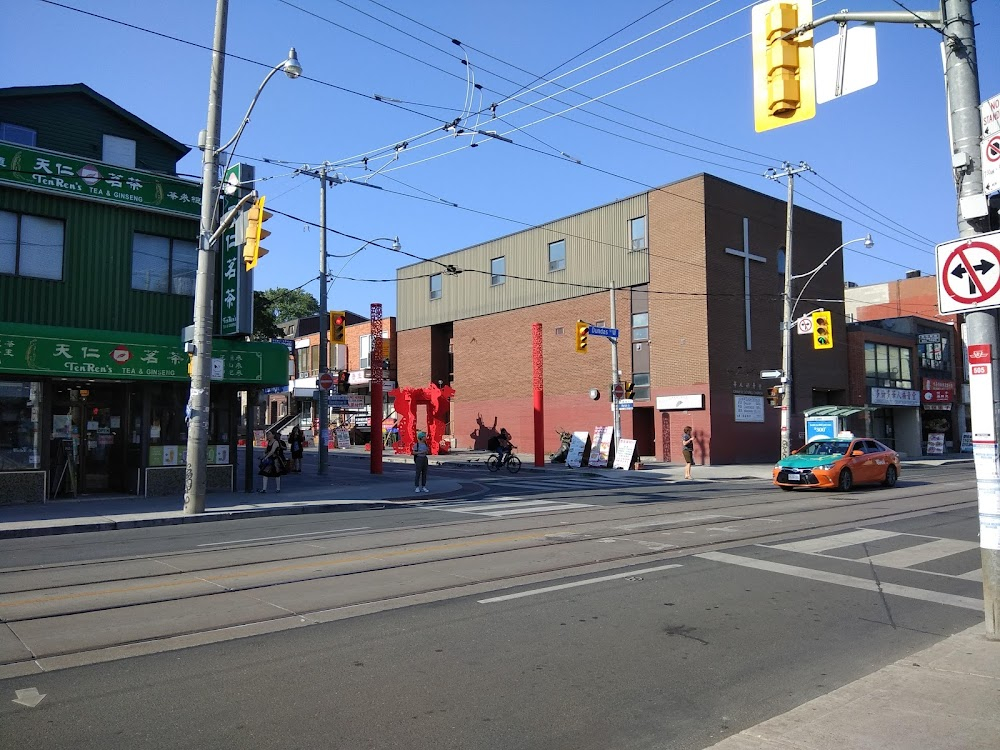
x=666, y=617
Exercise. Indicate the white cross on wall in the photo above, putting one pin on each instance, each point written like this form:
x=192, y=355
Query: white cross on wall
x=747, y=257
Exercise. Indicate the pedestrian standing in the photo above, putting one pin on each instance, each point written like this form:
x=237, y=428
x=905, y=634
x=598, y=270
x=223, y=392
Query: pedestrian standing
x=687, y=447
x=420, y=452
x=296, y=441
x=273, y=463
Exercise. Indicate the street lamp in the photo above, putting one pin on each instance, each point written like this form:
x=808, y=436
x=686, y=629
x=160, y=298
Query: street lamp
x=324, y=415
x=201, y=365
x=787, y=324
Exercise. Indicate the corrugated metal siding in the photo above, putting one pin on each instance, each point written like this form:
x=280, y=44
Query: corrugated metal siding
x=97, y=260
x=597, y=245
x=75, y=124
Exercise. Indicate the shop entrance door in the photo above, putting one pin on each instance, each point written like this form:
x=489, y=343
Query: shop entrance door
x=96, y=442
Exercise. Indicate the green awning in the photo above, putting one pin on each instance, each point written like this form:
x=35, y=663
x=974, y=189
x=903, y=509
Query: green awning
x=53, y=351
x=836, y=411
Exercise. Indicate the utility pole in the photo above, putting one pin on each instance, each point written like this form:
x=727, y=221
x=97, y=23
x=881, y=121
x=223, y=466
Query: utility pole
x=199, y=400
x=786, y=318
x=614, y=370
x=324, y=411
x=962, y=86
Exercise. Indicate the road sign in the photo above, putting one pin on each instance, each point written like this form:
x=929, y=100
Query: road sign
x=326, y=381
x=968, y=273
x=990, y=113
x=611, y=333
x=804, y=325
x=770, y=374
x=626, y=404
x=619, y=391
x=287, y=343
x=991, y=163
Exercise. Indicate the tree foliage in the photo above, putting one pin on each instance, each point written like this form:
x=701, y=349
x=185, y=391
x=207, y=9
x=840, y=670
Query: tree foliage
x=274, y=306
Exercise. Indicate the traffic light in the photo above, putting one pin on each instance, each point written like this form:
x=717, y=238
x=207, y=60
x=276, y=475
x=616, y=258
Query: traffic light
x=254, y=232
x=774, y=395
x=822, y=330
x=784, y=75
x=338, y=327
x=343, y=382
x=629, y=389
x=581, y=336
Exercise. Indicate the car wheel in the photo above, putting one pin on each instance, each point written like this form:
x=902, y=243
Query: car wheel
x=890, y=477
x=846, y=481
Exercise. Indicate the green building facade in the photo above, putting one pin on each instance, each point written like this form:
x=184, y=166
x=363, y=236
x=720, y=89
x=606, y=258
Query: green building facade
x=98, y=260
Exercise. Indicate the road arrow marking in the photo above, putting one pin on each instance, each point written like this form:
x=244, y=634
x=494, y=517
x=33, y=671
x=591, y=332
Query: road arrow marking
x=29, y=697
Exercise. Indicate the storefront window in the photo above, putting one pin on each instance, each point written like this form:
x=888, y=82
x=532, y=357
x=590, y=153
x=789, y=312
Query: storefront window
x=934, y=353
x=887, y=366
x=167, y=425
x=19, y=428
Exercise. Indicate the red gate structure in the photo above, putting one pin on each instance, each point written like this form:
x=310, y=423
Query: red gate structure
x=435, y=398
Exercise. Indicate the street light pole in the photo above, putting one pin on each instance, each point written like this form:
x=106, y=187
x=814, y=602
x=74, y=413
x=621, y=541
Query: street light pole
x=324, y=411
x=786, y=318
x=201, y=364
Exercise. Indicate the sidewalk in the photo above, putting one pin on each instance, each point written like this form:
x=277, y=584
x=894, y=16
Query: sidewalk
x=942, y=698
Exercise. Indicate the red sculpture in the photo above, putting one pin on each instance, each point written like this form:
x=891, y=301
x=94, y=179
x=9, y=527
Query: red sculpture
x=406, y=402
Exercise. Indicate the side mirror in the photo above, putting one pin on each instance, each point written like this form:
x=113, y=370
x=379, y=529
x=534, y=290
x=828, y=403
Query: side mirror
x=857, y=453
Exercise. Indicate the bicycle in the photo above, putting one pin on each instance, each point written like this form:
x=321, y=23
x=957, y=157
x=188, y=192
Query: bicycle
x=512, y=462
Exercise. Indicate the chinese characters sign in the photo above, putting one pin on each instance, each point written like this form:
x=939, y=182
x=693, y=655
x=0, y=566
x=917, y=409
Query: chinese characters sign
x=65, y=175
x=132, y=357
x=235, y=282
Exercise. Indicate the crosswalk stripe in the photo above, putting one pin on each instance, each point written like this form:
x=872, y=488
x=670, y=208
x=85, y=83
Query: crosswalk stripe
x=519, y=511
x=972, y=575
x=922, y=553
x=498, y=506
x=823, y=543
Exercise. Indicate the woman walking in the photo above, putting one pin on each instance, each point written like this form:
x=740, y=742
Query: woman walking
x=273, y=463
x=687, y=447
x=296, y=441
x=420, y=453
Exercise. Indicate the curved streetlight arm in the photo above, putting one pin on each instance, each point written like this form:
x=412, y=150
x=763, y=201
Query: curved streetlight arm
x=867, y=239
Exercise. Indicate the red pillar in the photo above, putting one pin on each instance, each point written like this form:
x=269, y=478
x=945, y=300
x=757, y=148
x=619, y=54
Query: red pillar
x=539, y=413
x=376, y=364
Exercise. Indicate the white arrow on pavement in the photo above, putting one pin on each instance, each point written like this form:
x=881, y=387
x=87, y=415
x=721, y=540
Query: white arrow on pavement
x=30, y=697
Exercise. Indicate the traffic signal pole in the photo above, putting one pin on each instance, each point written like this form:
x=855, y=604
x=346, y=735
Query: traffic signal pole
x=324, y=344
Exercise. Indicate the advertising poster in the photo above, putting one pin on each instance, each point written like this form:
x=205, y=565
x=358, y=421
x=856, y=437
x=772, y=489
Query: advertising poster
x=600, y=447
x=577, y=449
x=626, y=449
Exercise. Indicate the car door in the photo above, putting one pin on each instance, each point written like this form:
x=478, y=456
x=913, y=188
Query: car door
x=861, y=466
x=874, y=461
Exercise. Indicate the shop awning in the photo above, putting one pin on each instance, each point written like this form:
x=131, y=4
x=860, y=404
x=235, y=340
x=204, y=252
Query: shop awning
x=836, y=411
x=34, y=351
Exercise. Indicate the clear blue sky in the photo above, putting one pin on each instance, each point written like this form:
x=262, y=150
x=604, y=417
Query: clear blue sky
x=881, y=155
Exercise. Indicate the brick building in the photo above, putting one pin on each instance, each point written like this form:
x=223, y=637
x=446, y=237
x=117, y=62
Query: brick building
x=698, y=267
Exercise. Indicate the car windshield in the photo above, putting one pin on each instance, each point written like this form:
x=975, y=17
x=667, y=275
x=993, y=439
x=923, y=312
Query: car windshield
x=826, y=448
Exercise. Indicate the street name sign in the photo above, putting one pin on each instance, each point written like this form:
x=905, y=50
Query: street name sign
x=611, y=333
x=968, y=273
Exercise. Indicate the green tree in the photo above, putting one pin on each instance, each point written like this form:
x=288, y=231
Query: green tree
x=274, y=306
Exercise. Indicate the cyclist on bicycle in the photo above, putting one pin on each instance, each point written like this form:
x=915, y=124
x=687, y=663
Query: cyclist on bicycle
x=504, y=446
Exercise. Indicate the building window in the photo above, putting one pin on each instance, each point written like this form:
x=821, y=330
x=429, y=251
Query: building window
x=559, y=330
x=887, y=366
x=640, y=326
x=364, y=350
x=557, y=256
x=637, y=233
x=160, y=264
x=498, y=271
x=17, y=134
x=31, y=246
x=781, y=260
x=303, y=367
x=932, y=349
x=640, y=383
x=20, y=427
x=436, y=286
x=119, y=151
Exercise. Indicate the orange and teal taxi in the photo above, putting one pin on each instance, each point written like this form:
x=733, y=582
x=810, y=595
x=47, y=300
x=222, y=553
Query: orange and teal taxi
x=839, y=463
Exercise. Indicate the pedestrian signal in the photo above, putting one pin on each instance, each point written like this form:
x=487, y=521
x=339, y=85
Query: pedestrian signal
x=582, y=329
x=774, y=395
x=343, y=382
x=338, y=327
x=822, y=330
x=784, y=76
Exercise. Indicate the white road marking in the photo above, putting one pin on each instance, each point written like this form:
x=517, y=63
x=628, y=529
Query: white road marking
x=972, y=575
x=284, y=536
x=672, y=520
x=574, y=584
x=833, y=541
x=544, y=508
x=922, y=553
x=838, y=579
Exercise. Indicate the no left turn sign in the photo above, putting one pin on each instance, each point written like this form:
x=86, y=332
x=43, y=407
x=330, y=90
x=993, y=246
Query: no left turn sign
x=969, y=274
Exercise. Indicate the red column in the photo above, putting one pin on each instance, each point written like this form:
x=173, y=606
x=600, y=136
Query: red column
x=376, y=364
x=536, y=359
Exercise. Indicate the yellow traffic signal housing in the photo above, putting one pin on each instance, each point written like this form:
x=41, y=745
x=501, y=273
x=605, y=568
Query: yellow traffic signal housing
x=784, y=71
x=629, y=389
x=338, y=327
x=822, y=330
x=254, y=233
x=582, y=329
x=774, y=395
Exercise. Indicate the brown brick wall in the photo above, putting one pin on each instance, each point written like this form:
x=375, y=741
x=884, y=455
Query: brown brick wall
x=413, y=368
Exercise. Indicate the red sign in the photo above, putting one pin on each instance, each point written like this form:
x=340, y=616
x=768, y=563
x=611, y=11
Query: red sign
x=933, y=384
x=980, y=369
x=935, y=397
x=979, y=353
x=326, y=381
x=619, y=391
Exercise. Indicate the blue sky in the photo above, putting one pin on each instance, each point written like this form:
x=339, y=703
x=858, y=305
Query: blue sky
x=881, y=155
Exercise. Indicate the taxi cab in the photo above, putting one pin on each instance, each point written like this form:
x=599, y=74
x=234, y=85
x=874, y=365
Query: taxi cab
x=839, y=463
